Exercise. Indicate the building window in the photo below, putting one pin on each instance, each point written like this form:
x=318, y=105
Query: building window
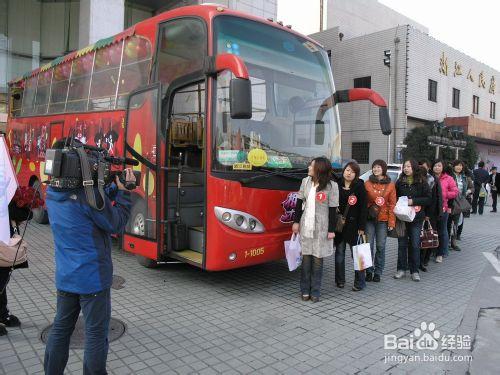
x=493, y=109
x=456, y=98
x=361, y=152
x=433, y=88
x=363, y=82
x=475, y=104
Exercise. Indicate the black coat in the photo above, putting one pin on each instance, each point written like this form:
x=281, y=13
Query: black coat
x=357, y=214
x=419, y=192
x=497, y=182
x=435, y=209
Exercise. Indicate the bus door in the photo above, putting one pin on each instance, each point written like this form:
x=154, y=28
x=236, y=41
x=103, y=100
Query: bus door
x=184, y=126
x=144, y=231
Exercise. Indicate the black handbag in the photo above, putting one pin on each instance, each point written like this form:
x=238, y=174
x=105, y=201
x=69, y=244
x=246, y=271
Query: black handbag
x=460, y=205
x=342, y=218
x=399, y=230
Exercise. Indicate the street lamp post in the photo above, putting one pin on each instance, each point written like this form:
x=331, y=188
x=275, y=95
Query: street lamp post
x=387, y=62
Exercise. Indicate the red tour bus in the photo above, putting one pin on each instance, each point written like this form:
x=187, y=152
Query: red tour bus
x=224, y=112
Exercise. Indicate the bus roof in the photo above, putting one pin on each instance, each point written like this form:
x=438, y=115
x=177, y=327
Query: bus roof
x=207, y=11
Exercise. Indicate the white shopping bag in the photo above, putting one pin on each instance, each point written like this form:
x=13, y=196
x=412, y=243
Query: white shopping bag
x=362, y=255
x=293, y=252
x=404, y=212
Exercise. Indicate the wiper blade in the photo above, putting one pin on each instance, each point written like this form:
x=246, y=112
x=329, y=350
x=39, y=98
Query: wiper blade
x=282, y=173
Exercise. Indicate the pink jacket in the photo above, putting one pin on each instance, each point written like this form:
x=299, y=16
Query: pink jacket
x=449, y=189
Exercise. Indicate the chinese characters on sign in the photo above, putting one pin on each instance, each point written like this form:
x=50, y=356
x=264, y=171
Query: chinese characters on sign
x=481, y=81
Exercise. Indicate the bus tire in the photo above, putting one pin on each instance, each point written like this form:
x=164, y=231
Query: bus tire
x=137, y=223
x=40, y=214
x=146, y=262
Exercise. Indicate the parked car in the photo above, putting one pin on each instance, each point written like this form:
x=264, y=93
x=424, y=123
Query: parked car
x=393, y=171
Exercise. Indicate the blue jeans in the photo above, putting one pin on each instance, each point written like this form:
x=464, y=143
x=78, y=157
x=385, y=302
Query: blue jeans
x=96, y=310
x=311, y=275
x=359, y=276
x=409, y=247
x=377, y=234
x=442, y=228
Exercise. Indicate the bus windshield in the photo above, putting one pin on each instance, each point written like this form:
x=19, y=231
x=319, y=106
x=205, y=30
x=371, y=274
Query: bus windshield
x=290, y=77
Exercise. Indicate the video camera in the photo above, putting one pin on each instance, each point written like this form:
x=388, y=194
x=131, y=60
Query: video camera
x=79, y=165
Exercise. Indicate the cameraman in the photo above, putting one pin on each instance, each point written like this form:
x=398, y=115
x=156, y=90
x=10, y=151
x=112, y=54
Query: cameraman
x=84, y=270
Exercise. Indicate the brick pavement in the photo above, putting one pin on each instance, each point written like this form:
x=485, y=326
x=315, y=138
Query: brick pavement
x=181, y=320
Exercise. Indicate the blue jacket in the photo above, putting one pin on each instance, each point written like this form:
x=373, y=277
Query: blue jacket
x=82, y=238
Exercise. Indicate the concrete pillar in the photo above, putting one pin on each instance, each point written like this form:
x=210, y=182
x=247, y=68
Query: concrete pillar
x=100, y=19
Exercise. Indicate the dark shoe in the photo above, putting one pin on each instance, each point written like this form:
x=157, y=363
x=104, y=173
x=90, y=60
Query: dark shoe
x=305, y=297
x=426, y=264
x=3, y=330
x=423, y=268
x=314, y=299
x=376, y=278
x=340, y=285
x=457, y=248
x=369, y=276
x=473, y=213
x=493, y=211
x=356, y=289
x=11, y=321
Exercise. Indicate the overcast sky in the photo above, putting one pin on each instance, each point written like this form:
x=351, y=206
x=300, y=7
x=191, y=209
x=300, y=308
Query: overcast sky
x=468, y=26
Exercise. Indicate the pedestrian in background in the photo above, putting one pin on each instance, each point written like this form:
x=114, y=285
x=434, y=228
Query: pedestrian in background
x=352, y=205
x=481, y=178
x=433, y=211
x=381, y=199
x=315, y=223
x=450, y=191
x=412, y=183
x=495, y=187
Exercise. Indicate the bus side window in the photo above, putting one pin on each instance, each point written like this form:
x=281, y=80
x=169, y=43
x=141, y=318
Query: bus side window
x=136, y=66
x=79, y=84
x=16, y=100
x=182, y=48
x=105, y=77
x=29, y=96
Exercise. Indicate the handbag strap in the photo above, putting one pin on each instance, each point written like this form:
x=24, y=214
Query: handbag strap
x=346, y=210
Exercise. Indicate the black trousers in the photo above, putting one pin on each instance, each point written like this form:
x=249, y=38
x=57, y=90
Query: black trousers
x=494, y=195
x=4, y=278
x=476, y=201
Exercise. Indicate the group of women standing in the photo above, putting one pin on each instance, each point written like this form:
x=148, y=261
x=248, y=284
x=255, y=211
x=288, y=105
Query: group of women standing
x=336, y=213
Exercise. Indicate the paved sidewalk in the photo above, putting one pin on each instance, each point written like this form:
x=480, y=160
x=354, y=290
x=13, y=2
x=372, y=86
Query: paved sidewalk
x=182, y=320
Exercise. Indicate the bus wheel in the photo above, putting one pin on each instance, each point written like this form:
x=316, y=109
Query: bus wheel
x=138, y=219
x=146, y=262
x=40, y=214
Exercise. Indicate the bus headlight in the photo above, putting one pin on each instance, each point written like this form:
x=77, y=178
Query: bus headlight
x=252, y=224
x=232, y=257
x=239, y=220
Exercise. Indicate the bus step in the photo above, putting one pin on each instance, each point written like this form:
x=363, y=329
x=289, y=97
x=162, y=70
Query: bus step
x=189, y=256
x=196, y=239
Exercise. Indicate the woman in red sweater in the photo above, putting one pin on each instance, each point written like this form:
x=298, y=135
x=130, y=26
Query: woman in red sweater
x=449, y=190
x=381, y=197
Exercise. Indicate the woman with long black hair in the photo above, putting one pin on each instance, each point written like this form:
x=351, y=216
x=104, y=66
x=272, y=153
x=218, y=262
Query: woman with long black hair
x=315, y=212
x=352, y=205
x=412, y=183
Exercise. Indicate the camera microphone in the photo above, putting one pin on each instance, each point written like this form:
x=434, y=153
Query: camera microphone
x=118, y=161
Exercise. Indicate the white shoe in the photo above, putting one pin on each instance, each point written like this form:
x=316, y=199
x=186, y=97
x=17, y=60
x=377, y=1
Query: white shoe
x=400, y=274
x=439, y=259
x=415, y=276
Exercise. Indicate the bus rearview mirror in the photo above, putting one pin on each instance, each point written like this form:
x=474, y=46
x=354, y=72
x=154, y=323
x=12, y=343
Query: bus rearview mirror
x=385, y=120
x=240, y=94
